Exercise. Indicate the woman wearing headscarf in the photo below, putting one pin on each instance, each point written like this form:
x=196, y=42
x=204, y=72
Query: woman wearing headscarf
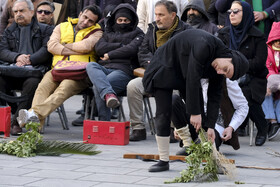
x=243, y=36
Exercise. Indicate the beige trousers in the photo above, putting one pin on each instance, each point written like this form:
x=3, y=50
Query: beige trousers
x=50, y=94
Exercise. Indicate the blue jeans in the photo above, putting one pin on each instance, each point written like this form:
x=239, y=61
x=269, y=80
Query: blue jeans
x=271, y=108
x=106, y=81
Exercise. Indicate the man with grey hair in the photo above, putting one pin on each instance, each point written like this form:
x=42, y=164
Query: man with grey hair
x=167, y=24
x=23, y=45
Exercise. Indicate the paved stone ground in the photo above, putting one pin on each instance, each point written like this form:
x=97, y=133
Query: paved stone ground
x=109, y=169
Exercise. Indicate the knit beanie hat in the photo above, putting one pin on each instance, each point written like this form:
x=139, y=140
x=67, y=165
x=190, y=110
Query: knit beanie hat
x=124, y=12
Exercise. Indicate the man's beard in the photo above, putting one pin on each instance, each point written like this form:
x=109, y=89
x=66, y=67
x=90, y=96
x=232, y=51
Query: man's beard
x=194, y=19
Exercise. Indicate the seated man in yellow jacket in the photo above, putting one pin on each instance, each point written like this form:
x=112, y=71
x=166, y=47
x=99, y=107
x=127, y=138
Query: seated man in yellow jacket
x=76, y=40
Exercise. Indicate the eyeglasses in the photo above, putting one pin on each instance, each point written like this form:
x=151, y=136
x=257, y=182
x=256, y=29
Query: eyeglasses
x=46, y=12
x=234, y=11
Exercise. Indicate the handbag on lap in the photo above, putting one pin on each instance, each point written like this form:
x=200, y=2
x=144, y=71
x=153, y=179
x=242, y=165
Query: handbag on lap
x=74, y=70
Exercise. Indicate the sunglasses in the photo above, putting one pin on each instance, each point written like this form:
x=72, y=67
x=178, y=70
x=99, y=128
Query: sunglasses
x=234, y=11
x=46, y=12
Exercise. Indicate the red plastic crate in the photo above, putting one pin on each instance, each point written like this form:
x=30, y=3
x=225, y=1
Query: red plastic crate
x=106, y=132
x=5, y=120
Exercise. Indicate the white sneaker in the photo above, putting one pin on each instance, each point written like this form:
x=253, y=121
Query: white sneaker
x=25, y=116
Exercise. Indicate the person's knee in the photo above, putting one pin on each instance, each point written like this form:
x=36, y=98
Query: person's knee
x=133, y=87
x=31, y=84
x=92, y=65
x=176, y=100
x=163, y=124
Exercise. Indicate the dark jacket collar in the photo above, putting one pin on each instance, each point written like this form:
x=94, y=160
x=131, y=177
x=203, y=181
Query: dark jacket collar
x=34, y=25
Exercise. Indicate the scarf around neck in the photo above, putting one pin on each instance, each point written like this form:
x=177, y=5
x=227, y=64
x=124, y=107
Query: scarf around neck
x=164, y=35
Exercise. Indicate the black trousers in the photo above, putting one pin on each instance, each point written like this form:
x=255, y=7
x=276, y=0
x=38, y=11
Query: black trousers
x=163, y=98
x=256, y=114
x=164, y=113
x=27, y=86
x=180, y=117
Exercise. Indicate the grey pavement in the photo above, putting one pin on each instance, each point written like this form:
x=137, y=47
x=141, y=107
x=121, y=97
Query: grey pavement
x=109, y=169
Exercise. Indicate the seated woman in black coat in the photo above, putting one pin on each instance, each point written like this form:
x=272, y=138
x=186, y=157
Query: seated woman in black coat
x=241, y=35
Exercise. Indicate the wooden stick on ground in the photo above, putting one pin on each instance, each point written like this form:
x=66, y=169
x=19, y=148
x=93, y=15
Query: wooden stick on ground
x=256, y=167
x=156, y=157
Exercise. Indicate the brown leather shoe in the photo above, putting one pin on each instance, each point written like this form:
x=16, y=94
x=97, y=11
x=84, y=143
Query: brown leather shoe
x=16, y=130
x=138, y=135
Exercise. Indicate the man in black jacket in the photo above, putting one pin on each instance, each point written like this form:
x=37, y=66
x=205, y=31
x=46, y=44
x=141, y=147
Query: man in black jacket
x=180, y=64
x=24, y=44
x=166, y=26
x=195, y=15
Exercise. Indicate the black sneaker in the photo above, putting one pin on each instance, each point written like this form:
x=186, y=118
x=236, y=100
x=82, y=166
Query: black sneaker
x=274, y=130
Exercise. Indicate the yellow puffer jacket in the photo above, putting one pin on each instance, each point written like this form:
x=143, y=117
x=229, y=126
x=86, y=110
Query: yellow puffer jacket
x=67, y=36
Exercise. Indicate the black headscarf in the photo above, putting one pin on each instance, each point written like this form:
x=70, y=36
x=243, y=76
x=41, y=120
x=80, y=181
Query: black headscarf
x=237, y=33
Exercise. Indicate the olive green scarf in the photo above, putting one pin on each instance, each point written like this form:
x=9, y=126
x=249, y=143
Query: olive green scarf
x=164, y=35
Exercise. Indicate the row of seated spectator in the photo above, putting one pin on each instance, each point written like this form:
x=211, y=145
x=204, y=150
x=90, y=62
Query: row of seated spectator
x=117, y=49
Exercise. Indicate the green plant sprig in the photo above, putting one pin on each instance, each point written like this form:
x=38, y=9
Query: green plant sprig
x=26, y=144
x=201, y=165
x=31, y=144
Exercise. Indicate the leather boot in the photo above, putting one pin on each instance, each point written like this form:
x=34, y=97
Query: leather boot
x=160, y=166
x=163, y=149
x=138, y=135
x=15, y=129
x=79, y=121
x=184, y=134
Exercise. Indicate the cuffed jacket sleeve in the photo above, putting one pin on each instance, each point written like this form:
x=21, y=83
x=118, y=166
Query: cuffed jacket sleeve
x=239, y=103
x=54, y=45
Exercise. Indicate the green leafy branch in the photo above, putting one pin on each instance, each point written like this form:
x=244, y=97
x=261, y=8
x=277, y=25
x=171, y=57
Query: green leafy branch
x=201, y=164
x=31, y=144
x=25, y=145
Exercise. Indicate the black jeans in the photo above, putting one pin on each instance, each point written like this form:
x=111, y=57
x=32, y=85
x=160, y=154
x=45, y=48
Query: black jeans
x=180, y=117
x=166, y=110
x=257, y=116
x=163, y=99
x=27, y=86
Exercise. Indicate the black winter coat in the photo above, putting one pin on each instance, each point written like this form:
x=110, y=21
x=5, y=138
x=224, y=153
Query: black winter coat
x=182, y=62
x=40, y=35
x=254, y=48
x=122, y=48
x=148, y=46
